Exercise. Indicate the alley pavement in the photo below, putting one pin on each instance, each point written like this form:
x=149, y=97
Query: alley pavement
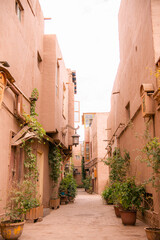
x=86, y=219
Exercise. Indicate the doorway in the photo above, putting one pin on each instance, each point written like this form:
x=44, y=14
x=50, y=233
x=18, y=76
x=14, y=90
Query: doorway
x=40, y=166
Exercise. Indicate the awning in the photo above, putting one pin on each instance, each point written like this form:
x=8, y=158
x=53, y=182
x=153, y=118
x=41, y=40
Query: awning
x=23, y=135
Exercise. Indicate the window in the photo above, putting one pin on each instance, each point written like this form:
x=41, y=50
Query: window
x=158, y=73
x=16, y=164
x=64, y=107
x=87, y=157
x=87, y=147
x=39, y=60
x=128, y=111
x=57, y=80
x=87, y=151
x=77, y=157
x=18, y=9
x=88, y=119
x=76, y=111
x=3, y=83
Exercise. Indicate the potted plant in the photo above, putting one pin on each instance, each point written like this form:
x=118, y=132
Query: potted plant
x=118, y=165
x=152, y=157
x=63, y=191
x=118, y=171
x=72, y=188
x=68, y=188
x=130, y=198
x=107, y=194
x=54, y=202
x=13, y=222
x=116, y=198
x=55, y=161
x=87, y=183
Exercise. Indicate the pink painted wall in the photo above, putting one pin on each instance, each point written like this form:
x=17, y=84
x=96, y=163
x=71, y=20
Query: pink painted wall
x=55, y=75
x=77, y=159
x=98, y=134
x=139, y=34
x=70, y=106
x=20, y=43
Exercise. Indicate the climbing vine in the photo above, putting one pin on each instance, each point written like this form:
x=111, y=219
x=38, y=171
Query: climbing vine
x=23, y=195
x=34, y=98
x=55, y=162
x=151, y=155
x=83, y=169
x=30, y=162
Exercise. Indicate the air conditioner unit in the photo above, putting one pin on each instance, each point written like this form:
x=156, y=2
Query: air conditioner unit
x=146, y=93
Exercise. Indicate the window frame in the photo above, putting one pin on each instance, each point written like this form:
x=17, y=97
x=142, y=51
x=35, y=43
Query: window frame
x=19, y=10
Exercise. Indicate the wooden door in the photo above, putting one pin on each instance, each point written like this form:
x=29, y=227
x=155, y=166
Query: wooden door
x=40, y=166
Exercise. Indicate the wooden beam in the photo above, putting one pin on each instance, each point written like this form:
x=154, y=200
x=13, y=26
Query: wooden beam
x=19, y=134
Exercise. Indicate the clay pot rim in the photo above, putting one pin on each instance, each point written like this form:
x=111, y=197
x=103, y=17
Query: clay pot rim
x=8, y=223
x=122, y=210
x=55, y=198
x=152, y=229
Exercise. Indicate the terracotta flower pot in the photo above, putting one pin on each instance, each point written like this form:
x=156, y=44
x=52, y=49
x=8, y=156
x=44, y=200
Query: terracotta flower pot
x=54, y=203
x=152, y=233
x=34, y=213
x=71, y=199
x=64, y=200
x=128, y=217
x=11, y=231
x=117, y=211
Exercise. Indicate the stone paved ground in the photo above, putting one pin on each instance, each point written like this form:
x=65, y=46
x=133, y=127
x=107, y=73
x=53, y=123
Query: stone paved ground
x=86, y=219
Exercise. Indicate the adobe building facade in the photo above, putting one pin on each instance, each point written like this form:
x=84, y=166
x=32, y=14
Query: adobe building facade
x=35, y=61
x=135, y=94
x=77, y=163
x=96, y=136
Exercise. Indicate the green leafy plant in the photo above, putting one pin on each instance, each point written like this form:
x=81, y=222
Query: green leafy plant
x=34, y=98
x=151, y=155
x=23, y=195
x=87, y=183
x=107, y=194
x=55, y=162
x=118, y=165
x=72, y=186
x=116, y=186
x=131, y=196
x=20, y=200
x=152, y=158
x=83, y=169
x=68, y=186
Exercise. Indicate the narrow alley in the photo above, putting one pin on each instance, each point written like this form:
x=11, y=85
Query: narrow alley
x=88, y=218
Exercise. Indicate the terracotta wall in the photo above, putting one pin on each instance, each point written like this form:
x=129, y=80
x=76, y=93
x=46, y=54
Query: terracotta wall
x=77, y=160
x=56, y=78
x=70, y=106
x=97, y=135
x=103, y=170
x=138, y=38
x=19, y=45
x=22, y=43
